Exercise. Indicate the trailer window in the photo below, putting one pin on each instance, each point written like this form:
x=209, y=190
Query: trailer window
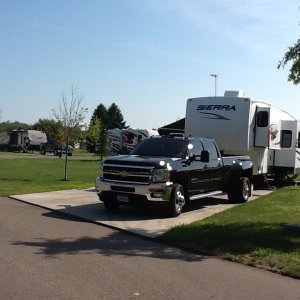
x=262, y=119
x=286, y=138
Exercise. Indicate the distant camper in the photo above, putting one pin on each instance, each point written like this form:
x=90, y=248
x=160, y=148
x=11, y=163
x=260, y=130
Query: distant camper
x=22, y=140
x=122, y=141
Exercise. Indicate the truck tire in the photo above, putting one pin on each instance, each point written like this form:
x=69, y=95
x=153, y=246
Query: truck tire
x=176, y=201
x=241, y=192
x=110, y=202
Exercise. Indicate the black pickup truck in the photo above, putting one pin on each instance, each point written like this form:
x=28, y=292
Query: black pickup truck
x=52, y=146
x=173, y=170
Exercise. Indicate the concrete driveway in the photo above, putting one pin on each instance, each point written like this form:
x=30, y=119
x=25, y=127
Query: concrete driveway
x=149, y=222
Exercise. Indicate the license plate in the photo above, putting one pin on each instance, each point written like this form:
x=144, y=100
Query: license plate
x=122, y=198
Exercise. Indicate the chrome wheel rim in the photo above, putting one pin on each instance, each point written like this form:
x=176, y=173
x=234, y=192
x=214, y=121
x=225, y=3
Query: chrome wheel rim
x=246, y=189
x=179, y=200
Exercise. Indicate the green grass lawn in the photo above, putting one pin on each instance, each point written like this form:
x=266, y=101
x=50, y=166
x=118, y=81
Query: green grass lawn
x=252, y=233
x=29, y=173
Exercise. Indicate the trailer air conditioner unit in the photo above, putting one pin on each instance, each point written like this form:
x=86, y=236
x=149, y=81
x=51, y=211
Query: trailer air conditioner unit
x=234, y=94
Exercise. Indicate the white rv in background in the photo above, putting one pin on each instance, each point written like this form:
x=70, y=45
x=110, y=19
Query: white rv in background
x=22, y=140
x=246, y=126
x=122, y=141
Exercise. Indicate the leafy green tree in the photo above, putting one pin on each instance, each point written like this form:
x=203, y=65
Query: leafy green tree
x=9, y=126
x=50, y=127
x=93, y=135
x=292, y=56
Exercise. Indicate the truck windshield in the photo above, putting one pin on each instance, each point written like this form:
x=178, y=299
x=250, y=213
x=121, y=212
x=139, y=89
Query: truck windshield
x=162, y=147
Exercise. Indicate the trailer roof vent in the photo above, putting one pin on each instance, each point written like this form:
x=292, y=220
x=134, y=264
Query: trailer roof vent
x=234, y=93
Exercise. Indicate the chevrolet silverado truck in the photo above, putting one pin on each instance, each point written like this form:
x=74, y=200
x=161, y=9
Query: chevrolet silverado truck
x=174, y=171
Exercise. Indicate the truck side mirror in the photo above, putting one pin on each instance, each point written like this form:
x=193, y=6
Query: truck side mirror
x=204, y=156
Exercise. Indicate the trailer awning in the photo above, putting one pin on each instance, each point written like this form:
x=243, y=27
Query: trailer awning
x=175, y=127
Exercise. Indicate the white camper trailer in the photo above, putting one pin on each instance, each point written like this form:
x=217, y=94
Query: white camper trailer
x=114, y=141
x=122, y=141
x=245, y=126
x=23, y=140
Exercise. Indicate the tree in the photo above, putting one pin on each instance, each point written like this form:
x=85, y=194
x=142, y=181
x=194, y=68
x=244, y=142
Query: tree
x=293, y=56
x=9, y=126
x=101, y=113
x=52, y=128
x=71, y=115
x=115, y=119
x=110, y=118
x=94, y=134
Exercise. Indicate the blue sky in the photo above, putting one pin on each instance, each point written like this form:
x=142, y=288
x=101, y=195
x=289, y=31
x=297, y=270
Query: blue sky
x=147, y=56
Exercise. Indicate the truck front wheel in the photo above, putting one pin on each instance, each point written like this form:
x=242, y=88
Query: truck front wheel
x=110, y=202
x=241, y=191
x=177, y=200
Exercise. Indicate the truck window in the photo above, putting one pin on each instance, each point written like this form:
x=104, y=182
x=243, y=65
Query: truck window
x=162, y=147
x=286, y=138
x=211, y=148
x=262, y=119
x=197, y=148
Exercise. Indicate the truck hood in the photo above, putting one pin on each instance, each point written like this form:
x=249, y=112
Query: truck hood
x=137, y=160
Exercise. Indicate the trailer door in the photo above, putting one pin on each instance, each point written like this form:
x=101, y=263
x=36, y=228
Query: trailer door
x=261, y=128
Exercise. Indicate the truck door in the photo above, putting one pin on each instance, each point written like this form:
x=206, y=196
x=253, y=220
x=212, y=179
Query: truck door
x=261, y=127
x=198, y=179
x=214, y=169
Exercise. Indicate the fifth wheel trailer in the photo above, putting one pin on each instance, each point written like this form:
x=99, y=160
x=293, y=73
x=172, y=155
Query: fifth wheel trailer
x=122, y=141
x=22, y=140
x=246, y=126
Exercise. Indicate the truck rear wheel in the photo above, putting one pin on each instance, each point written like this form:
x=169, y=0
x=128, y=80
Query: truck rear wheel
x=177, y=200
x=241, y=191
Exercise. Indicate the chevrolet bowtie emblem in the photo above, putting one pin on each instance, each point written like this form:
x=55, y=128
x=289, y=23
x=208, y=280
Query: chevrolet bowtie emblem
x=123, y=173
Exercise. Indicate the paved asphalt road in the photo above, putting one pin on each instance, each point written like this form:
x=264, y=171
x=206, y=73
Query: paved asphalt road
x=47, y=255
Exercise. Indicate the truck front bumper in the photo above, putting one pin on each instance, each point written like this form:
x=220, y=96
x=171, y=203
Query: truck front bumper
x=152, y=192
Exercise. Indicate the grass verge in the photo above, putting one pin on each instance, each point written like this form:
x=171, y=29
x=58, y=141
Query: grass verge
x=253, y=233
x=25, y=173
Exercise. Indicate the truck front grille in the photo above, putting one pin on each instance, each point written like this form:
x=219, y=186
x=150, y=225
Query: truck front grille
x=127, y=174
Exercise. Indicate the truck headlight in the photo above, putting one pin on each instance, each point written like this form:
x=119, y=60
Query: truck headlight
x=161, y=175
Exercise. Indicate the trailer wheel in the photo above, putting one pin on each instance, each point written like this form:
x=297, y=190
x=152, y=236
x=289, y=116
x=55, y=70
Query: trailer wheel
x=177, y=200
x=241, y=191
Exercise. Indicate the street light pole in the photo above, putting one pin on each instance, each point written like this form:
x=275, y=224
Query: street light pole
x=215, y=76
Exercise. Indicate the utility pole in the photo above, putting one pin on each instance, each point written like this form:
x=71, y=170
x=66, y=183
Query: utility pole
x=215, y=76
